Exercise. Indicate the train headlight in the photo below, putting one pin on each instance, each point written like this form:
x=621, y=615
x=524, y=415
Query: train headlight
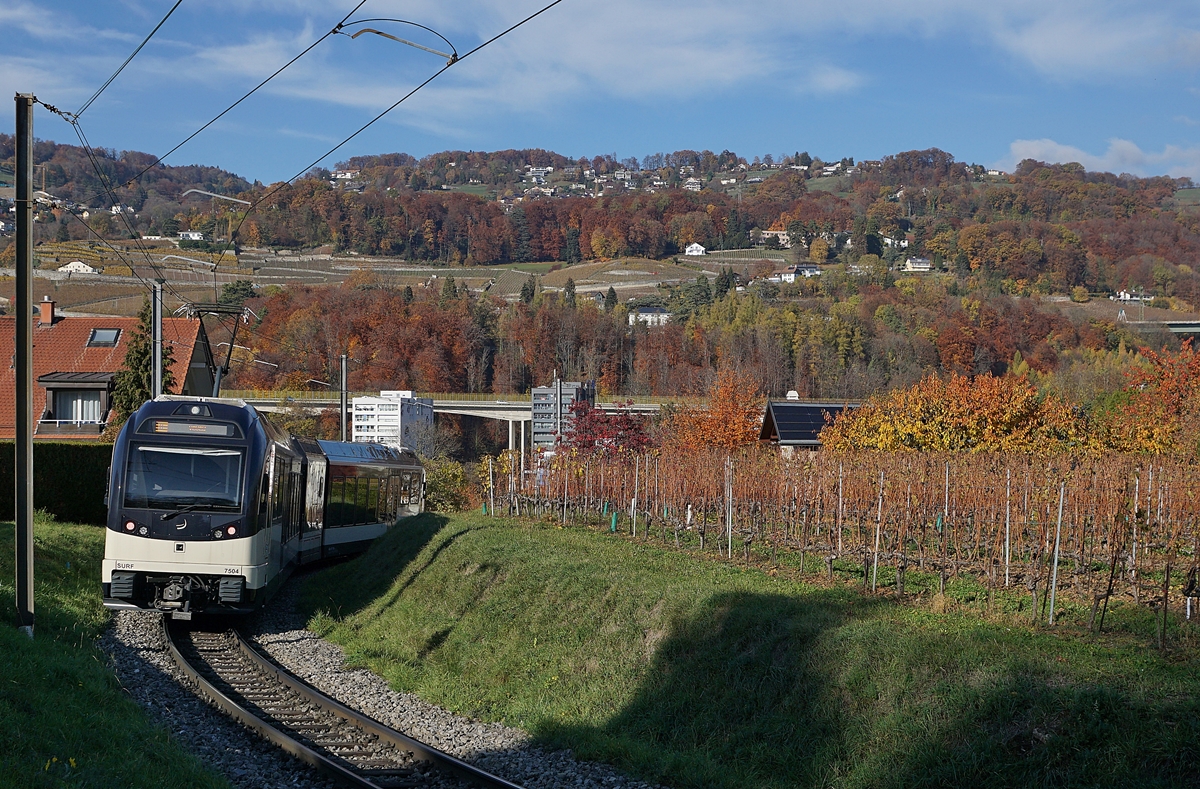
x=130, y=525
x=143, y=531
x=218, y=534
x=231, y=530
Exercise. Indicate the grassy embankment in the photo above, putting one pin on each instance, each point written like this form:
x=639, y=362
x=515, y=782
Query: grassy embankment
x=697, y=673
x=64, y=720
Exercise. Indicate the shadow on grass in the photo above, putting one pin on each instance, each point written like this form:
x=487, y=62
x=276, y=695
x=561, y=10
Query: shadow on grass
x=780, y=691
x=733, y=685
x=364, y=581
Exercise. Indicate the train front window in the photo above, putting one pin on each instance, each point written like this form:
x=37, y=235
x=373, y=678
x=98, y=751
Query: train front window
x=200, y=477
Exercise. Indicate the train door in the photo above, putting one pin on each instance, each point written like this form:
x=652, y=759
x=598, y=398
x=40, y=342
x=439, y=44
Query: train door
x=293, y=516
x=274, y=533
x=314, y=508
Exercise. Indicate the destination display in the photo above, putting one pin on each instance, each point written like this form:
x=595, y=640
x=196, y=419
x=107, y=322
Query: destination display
x=176, y=427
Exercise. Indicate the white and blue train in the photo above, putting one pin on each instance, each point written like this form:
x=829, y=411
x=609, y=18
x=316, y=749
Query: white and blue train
x=211, y=506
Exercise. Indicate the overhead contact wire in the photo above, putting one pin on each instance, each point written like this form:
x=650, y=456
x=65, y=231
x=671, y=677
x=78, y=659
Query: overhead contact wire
x=116, y=73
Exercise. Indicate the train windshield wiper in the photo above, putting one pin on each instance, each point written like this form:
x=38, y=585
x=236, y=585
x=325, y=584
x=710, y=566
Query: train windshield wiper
x=173, y=513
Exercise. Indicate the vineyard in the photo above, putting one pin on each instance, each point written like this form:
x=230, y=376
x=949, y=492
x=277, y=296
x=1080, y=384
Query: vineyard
x=1094, y=529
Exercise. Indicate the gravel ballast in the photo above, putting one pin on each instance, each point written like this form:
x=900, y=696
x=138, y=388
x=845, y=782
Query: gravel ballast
x=143, y=665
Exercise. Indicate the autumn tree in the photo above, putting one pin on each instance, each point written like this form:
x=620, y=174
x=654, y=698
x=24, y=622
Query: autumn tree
x=961, y=414
x=597, y=430
x=1164, y=405
x=732, y=419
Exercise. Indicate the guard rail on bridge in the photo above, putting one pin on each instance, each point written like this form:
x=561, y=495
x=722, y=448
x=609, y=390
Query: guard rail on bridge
x=509, y=407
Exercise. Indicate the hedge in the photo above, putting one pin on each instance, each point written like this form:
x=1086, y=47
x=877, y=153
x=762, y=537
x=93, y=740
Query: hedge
x=69, y=479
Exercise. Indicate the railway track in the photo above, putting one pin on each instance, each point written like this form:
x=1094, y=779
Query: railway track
x=347, y=746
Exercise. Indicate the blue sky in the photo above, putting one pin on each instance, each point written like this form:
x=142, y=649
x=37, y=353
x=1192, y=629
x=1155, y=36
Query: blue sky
x=1114, y=85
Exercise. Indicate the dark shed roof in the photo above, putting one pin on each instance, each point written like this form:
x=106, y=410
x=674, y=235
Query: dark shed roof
x=797, y=424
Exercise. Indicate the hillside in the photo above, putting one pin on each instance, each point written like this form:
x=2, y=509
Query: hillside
x=698, y=673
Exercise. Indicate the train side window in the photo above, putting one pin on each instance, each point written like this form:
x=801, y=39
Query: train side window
x=373, y=500
x=387, y=494
x=336, y=490
x=364, y=514
x=349, y=515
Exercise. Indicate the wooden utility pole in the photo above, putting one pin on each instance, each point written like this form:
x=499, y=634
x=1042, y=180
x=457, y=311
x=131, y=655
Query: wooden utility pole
x=343, y=396
x=24, y=363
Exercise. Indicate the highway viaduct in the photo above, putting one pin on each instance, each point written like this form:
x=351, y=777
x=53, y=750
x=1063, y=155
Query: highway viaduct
x=516, y=410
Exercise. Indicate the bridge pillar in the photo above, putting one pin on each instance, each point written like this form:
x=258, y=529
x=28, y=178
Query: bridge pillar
x=511, y=445
x=523, y=453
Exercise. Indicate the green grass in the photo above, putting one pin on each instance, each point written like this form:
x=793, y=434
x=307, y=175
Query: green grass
x=696, y=673
x=64, y=719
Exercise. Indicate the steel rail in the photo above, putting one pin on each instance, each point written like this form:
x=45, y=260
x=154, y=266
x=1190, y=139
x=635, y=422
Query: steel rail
x=328, y=765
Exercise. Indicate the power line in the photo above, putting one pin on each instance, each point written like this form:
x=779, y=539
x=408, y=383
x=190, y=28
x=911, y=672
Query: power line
x=402, y=99
x=109, y=81
x=228, y=109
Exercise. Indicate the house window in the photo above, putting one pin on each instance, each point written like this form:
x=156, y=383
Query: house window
x=103, y=338
x=77, y=406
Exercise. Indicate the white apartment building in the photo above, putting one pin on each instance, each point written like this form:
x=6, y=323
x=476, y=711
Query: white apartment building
x=390, y=418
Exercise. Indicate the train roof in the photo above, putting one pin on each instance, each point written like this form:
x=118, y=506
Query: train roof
x=359, y=453
x=216, y=408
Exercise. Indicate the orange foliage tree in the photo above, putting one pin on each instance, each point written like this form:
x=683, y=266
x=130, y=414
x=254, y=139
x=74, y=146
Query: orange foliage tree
x=1163, y=414
x=981, y=414
x=732, y=419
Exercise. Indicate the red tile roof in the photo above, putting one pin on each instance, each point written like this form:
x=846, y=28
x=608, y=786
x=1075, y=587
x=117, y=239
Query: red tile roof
x=62, y=348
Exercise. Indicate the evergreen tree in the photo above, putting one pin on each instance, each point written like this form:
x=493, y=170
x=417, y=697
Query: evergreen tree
x=236, y=292
x=133, y=382
x=408, y=294
x=724, y=282
x=523, y=252
x=63, y=234
x=571, y=246
x=528, y=291
x=449, y=292
x=569, y=294
x=610, y=300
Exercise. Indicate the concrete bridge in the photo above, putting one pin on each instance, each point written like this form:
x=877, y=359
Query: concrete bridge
x=1188, y=328
x=517, y=410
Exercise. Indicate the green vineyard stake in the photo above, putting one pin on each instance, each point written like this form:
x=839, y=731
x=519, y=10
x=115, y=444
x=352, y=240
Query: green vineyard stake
x=613, y=528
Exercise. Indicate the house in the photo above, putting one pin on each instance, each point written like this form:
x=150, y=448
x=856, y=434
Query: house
x=193, y=235
x=803, y=270
x=345, y=175
x=77, y=267
x=782, y=236
x=918, y=265
x=695, y=250
x=791, y=423
x=75, y=361
x=651, y=316
x=693, y=184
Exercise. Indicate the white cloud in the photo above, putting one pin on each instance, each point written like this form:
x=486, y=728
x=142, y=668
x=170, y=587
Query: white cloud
x=1122, y=156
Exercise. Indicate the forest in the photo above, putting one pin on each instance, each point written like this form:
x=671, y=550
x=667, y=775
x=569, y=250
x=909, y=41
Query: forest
x=842, y=338
x=1045, y=228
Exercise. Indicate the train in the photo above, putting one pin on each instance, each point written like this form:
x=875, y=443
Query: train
x=211, y=506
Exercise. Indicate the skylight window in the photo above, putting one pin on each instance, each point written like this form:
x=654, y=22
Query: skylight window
x=103, y=338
